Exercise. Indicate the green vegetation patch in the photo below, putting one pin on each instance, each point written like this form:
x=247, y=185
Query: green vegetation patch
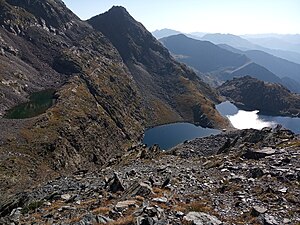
x=39, y=102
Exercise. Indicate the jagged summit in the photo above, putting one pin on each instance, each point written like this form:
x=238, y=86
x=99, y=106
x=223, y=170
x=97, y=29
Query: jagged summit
x=168, y=87
x=125, y=32
x=119, y=9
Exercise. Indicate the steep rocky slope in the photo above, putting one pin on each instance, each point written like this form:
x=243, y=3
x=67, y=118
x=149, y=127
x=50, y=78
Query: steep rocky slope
x=269, y=98
x=99, y=110
x=171, y=91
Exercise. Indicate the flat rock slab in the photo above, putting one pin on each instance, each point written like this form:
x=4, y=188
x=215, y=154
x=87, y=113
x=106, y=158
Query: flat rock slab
x=125, y=204
x=200, y=218
x=259, y=153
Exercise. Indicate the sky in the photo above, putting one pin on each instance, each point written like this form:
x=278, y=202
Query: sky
x=211, y=16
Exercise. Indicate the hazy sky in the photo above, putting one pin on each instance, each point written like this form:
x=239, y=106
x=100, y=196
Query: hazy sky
x=223, y=16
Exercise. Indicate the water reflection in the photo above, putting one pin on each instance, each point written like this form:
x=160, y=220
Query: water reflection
x=244, y=120
x=241, y=119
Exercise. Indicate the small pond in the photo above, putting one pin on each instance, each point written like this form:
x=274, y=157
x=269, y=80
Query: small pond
x=38, y=103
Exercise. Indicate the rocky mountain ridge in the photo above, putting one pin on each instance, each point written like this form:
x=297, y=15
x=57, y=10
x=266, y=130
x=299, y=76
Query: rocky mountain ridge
x=269, y=98
x=164, y=83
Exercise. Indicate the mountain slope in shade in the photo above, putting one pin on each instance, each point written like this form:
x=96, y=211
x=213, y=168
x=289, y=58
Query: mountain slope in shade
x=171, y=91
x=222, y=64
x=256, y=71
x=202, y=55
x=289, y=72
x=281, y=67
x=269, y=98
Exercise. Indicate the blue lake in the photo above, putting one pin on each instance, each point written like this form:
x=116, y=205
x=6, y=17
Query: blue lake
x=170, y=135
x=167, y=136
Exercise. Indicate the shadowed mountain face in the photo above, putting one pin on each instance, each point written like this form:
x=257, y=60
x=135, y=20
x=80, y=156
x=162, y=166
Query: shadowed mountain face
x=171, y=91
x=256, y=71
x=289, y=72
x=202, y=55
x=100, y=110
x=280, y=67
x=252, y=94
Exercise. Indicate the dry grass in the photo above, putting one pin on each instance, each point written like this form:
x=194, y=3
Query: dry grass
x=139, y=198
x=163, y=113
x=101, y=210
x=128, y=220
x=199, y=206
x=158, y=192
x=196, y=206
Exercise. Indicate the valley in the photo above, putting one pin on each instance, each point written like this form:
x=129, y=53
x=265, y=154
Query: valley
x=104, y=122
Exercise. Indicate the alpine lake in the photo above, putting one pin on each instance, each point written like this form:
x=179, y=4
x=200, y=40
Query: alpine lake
x=38, y=103
x=168, y=136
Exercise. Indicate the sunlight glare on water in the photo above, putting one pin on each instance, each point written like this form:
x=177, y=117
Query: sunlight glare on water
x=245, y=120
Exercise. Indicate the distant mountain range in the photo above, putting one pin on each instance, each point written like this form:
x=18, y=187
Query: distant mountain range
x=202, y=55
x=283, y=46
x=243, y=44
x=158, y=34
x=225, y=62
x=281, y=67
x=276, y=43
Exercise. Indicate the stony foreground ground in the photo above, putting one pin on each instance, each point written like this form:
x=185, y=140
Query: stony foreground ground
x=240, y=177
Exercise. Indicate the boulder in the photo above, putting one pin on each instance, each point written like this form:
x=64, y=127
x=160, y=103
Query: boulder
x=259, y=153
x=257, y=210
x=115, y=184
x=125, y=204
x=138, y=189
x=200, y=218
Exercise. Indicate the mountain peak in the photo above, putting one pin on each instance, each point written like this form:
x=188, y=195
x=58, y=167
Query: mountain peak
x=117, y=8
x=53, y=13
x=165, y=83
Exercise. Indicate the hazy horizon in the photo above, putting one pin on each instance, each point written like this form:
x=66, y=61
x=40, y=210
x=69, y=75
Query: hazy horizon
x=238, y=17
x=246, y=34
